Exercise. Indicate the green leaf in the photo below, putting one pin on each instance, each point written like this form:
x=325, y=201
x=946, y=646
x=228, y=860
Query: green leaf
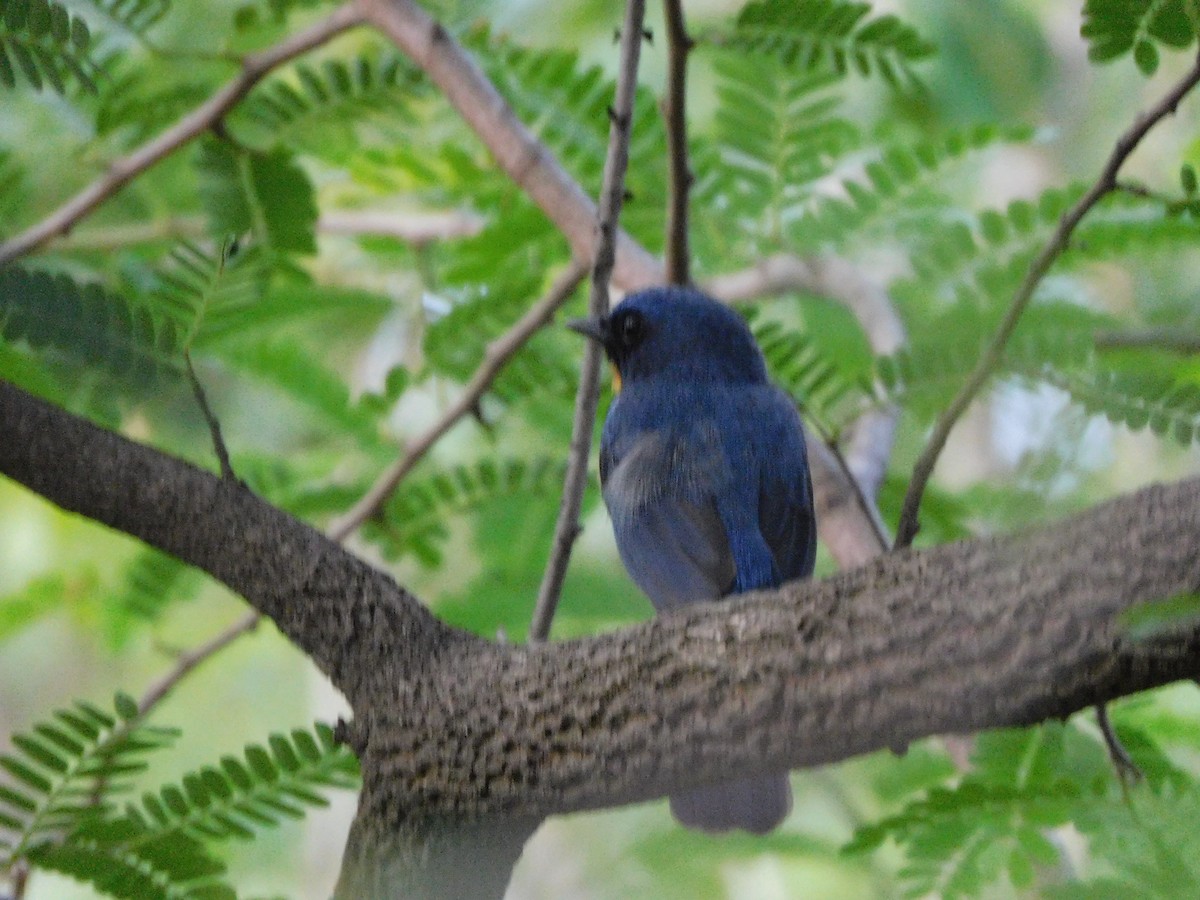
x=1149, y=620
x=1114, y=27
x=826, y=35
x=49, y=44
x=265, y=194
x=86, y=324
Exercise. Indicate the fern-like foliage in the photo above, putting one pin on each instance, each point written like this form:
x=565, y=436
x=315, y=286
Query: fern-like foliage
x=265, y=194
x=414, y=520
x=985, y=257
x=1051, y=336
x=989, y=827
x=241, y=796
x=150, y=583
x=12, y=189
x=60, y=817
x=1169, y=407
x=44, y=44
x=319, y=107
x=566, y=106
x=777, y=132
x=86, y=324
x=1115, y=27
x=137, y=17
x=831, y=35
x=1146, y=852
x=63, y=772
x=799, y=365
x=198, y=289
x=298, y=373
x=895, y=190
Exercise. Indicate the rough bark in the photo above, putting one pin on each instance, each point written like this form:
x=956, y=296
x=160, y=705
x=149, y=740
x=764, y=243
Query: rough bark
x=456, y=732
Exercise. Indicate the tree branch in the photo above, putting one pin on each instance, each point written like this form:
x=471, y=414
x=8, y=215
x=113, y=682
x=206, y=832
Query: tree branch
x=612, y=193
x=1169, y=340
x=416, y=228
x=963, y=637
x=188, y=661
x=331, y=605
x=1107, y=181
x=495, y=357
x=675, y=109
x=526, y=161
x=455, y=731
x=122, y=171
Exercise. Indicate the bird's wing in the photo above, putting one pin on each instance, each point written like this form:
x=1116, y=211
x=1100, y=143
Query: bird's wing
x=668, y=532
x=785, y=502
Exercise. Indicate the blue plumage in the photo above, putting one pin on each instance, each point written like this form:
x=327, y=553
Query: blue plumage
x=705, y=475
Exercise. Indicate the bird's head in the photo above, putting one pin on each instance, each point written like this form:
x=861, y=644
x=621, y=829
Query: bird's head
x=678, y=333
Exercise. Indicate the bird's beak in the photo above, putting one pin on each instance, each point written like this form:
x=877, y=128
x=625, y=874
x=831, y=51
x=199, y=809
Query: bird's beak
x=595, y=327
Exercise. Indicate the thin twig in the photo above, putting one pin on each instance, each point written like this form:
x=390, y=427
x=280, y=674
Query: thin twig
x=416, y=228
x=121, y=171
x=1127, y=769
x=495, y=357
x=1107, y=182
x=1168, y=340
x=190, y=660
x=214, y=426
x=612, y=193
x=675, y=108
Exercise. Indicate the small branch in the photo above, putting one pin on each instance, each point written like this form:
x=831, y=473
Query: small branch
x=123, y=170
x=675, y=108
x=214, y=426
x=193, y=658
x=416, y=228
x=1107, y=182
x=523, y=157
x=1166, y=339
x=1127, y=770
x=497, y=355
x=612, y=194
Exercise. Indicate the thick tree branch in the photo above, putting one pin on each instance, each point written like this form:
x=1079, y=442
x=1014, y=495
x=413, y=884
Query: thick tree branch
x=907, y=527
x=455, y=730
x=122, y=171
x=587, y=397
x=335, y=608
x=963, y=637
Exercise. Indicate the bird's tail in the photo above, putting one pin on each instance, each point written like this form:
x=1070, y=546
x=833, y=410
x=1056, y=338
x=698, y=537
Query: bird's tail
x=754, y=804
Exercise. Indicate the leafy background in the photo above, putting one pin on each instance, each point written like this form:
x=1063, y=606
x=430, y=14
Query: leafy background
x=937, y=150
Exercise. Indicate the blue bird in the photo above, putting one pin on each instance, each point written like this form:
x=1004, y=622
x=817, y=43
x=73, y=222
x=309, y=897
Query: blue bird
x=705, y=475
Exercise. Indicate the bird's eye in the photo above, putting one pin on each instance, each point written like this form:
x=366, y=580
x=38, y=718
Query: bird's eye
x=630, y=330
